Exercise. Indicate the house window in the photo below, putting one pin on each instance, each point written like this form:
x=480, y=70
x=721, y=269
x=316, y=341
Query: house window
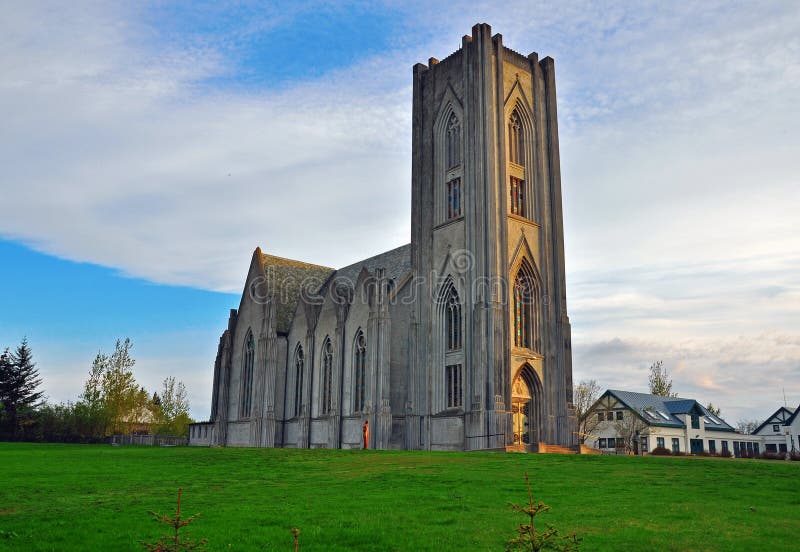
x=601, y=417
x=776, y=428
x=298, y=379
x=712, y=446
x=736, y=449
x=602, y=443
x=619, y=414
x=771, y=447
x=359, y=372
x=755, y=449
x=724, y=446
x=453, y=385
x=518, y=197
x=454, y=198
x=676, y=445
x=247, y=375
x=612, y=442
x=781, y=447
x=660, y=442
x=327, y=375
x=695, y=421
x=610, y=416
x=644, y=444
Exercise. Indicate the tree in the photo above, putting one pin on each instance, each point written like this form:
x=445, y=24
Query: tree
x=586, y=393
x=629, y=428
x=173, y=411
x=747, y=426
x=715, y=410
x=91, y=409
x=121, y=395
x=19, y=381
x=660, y=382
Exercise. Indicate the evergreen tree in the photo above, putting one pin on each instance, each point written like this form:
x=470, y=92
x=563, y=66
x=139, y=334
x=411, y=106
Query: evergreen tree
x=660, y=382
x=19, y=381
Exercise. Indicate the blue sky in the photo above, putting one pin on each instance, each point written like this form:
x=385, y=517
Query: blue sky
x=149, y=147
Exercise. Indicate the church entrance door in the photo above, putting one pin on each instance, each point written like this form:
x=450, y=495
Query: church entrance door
x=525, y=406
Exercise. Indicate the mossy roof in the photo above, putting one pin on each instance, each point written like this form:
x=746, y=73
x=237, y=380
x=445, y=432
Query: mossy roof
x=287, y=278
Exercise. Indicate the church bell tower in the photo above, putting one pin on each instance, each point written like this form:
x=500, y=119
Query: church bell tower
x=492, y=363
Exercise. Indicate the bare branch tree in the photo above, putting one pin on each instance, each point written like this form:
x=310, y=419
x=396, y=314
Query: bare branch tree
x=629, y=428
x=586, y=393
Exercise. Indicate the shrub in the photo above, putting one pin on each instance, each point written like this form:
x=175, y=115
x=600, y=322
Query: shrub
x=725, y=454
x=773, y=455
x=660, y=451
x=678, y=453
x=795, y=456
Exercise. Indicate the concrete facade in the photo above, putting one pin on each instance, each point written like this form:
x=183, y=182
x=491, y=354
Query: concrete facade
x=459, y=340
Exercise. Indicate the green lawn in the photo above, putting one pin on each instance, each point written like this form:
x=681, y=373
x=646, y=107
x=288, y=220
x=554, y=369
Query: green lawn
x=79, y=497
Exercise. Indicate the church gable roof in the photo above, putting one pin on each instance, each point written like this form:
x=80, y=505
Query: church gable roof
x=286, y=278
x=396, y=262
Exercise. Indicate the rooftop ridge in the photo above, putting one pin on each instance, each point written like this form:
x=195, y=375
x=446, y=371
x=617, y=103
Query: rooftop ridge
x=362, y=261
x=295, y=261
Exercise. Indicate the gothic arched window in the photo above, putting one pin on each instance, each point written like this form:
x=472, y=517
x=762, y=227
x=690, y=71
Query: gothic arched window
x=359, y=372
x=518, y=189
x=248, y=358
x=527, y=309
x=516, y=139
x=327, y=375
x=452, y=164
x=298, y=379
x=453, y=148
x=452, y=335
x=453, y=321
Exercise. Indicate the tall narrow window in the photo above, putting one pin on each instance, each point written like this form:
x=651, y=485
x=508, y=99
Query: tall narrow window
x=453, y=147
x=518, y=186
x=527, y=309
x=518, y=197
x=453, y=385
x=454, y=198
x=450, y=388
x=248, y=358
x=453, y=321
x=359, y=372
x=449, y=197
x=327, y=375
x=516, y=140
x=298, y=379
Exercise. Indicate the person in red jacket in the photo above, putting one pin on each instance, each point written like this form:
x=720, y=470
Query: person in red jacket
x=365, y=429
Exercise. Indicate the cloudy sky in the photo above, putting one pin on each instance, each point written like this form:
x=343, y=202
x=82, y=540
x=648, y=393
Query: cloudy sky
x=147, y=148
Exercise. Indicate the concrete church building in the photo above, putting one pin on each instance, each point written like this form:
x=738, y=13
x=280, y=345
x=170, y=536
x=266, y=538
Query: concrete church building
x=459, y=340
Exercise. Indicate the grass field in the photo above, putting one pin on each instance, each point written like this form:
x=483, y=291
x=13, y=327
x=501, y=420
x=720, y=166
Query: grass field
x=74, y=497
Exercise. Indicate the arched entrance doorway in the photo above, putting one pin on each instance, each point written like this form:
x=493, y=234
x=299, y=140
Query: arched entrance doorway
x=526, y=405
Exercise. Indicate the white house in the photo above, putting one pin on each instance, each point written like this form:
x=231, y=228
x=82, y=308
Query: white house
x=648, y=421
x=781, y=431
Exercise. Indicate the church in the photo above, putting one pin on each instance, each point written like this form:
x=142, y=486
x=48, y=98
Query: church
x=459, y=340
